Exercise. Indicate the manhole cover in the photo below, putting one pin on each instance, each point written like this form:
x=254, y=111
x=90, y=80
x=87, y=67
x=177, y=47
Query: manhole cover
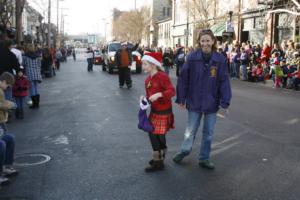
x=31, y=159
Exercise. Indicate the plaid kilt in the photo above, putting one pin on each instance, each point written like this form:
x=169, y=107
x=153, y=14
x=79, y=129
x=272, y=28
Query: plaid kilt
x=162, y=123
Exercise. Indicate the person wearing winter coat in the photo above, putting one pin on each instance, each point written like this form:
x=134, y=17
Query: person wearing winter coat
x=32, y=65
x=8, y=63
x=244, y=63
x=167, y=60
x=47, y=63
x=7, y=140
x=58, y=57
x=90, y=55
x=203, y=88
x=20, y=92
x=123, y=61
x=179, y=60
x=159, y=91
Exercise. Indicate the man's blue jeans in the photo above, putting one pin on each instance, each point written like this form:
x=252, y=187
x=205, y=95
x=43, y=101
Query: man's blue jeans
x=193, y=124
x=244, y=72
x=7, y=148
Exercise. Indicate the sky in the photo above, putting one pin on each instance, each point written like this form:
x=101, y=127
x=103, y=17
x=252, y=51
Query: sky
x=86, y=16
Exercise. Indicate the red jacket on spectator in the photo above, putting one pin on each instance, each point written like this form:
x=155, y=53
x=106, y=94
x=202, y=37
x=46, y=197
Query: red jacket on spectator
x=266, y=52
x=297, y=74
x=21, y=86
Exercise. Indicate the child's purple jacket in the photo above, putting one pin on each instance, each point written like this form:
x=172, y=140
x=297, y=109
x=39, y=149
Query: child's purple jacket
x=204, y=87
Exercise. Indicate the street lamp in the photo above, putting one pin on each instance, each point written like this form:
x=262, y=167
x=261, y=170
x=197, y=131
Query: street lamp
x=105, y=24
x=229, y=27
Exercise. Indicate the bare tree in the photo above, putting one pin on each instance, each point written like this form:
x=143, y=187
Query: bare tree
x=132, y=25
x=291, y=7
x=200, y=11
x=6, y=12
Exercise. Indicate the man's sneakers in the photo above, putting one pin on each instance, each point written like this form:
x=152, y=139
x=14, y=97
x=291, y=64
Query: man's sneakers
x=206, y=164
x=202, y=163
x=178, y=157
x=4, y=180
x=9, y=171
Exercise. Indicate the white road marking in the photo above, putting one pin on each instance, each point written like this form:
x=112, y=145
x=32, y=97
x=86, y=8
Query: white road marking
x=220, y=150
x=102, y=123
x=45, y=158
x=226, y=140
x=61, y=140
x=292, y=121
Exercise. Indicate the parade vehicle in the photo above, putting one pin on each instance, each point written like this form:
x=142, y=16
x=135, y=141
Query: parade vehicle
x=98, y=57
x=109, y=58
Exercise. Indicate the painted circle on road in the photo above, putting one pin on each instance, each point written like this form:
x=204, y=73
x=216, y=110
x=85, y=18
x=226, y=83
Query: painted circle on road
x=31, y=159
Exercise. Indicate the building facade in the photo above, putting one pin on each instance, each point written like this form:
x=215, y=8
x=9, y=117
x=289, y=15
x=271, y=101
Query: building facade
x=232, y=20
x=164, y=33
x=160, y=10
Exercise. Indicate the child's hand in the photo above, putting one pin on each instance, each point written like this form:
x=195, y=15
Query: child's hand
x=9, y=104
x=181, y=106
x=223, y=112
x=155, y=96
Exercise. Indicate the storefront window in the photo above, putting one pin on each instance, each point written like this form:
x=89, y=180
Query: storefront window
x=259, y=23
x=248, y=24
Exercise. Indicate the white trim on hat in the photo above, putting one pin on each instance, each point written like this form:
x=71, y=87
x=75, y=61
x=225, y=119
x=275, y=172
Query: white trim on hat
x=152, y=60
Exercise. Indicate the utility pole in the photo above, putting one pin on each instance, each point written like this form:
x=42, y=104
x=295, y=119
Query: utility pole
x=187, y=24
x=134, y=4
x=19, y=10
x=58, y=37
x=49, y=23
x=57, y=16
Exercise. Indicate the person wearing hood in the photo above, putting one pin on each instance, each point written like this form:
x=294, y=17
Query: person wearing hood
x=8, y=60
x=32, y=65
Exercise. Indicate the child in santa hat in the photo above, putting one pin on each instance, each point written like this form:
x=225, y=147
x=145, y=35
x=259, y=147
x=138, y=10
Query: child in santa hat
x=159, y=91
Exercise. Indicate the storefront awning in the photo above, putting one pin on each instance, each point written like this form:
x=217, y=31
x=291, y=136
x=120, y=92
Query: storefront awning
x=218, y=28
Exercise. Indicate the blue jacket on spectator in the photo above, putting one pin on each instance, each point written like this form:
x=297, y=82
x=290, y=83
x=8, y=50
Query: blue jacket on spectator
x=204, y=87
x=244, y=58
x=236, y=58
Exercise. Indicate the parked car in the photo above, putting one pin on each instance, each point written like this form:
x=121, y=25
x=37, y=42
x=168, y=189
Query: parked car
x=109, y=58
x=98, y=57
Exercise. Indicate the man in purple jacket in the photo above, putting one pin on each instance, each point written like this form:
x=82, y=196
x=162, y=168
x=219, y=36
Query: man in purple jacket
x=203, y=87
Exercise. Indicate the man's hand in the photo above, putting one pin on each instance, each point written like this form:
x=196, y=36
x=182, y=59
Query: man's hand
x=155, y=96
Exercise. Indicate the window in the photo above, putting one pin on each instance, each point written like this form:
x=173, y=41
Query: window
x=164, y=11
x=168, y=12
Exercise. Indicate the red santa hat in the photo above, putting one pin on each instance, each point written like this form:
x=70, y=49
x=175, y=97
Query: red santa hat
x=154, y=58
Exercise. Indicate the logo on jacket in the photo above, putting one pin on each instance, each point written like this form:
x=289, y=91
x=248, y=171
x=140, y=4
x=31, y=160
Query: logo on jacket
x=213, y=71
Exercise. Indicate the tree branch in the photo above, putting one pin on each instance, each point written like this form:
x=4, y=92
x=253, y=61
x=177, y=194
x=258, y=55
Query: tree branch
x=296, y=3
x=285, y=10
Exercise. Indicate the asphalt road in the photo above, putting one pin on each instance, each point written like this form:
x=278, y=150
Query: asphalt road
x=88, y=126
